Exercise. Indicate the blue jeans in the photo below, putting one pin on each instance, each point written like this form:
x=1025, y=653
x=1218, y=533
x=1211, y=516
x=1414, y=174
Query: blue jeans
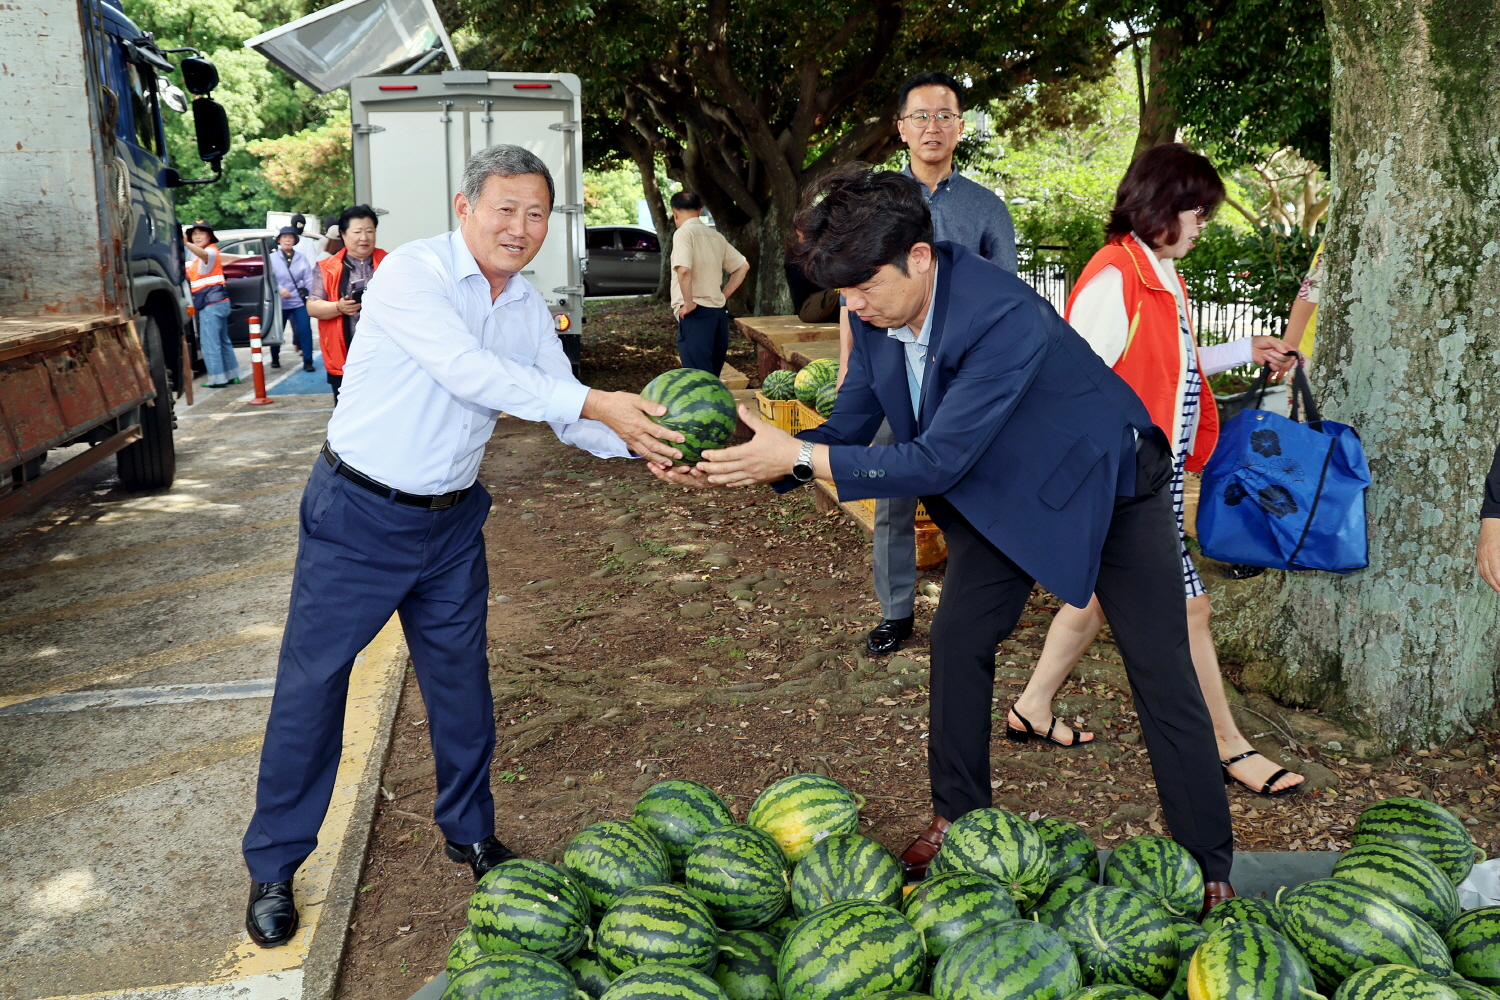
x=214, y=345
x=301, y=331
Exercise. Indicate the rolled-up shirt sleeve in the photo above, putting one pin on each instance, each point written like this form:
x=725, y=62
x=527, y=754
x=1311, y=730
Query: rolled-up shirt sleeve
x=590, y=435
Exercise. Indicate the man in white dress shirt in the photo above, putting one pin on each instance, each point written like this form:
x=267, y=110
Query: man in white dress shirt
x=391, y=518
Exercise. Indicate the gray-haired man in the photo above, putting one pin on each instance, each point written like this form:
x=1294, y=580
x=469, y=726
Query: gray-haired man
x=391, y=520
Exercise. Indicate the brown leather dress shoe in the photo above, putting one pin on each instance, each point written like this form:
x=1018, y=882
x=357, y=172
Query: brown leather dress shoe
x=1215, y=893
x=920, y=852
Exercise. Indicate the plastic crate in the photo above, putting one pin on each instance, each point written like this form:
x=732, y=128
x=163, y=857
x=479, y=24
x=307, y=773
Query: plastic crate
x=778, y=412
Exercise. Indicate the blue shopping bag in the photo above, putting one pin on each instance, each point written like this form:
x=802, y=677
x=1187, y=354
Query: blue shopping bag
x=1285, y=494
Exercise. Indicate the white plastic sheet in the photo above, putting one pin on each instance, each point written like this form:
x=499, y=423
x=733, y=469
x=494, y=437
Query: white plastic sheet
x=1482, y=887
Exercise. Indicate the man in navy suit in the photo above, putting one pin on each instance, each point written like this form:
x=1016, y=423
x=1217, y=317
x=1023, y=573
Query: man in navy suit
x=1039, y=463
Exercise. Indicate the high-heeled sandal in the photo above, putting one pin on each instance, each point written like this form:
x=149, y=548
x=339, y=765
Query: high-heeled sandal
x=1263, y=789
x=1021, y=736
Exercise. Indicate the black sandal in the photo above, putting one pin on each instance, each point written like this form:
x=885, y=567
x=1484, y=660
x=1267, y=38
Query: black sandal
x=1263, y=789
x=1021, y=736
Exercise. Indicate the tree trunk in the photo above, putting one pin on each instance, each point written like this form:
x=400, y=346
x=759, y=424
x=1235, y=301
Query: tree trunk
x=645, y=162
x=1158, y=116
x=1408, y=331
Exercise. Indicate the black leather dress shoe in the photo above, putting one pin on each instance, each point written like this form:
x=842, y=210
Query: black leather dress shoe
x=886, y=637
x=481, y=857
x=271, y=917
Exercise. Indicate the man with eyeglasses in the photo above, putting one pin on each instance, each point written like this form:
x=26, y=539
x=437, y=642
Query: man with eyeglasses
x=930, y=121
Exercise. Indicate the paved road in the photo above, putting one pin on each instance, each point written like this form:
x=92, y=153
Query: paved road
x=138, y=638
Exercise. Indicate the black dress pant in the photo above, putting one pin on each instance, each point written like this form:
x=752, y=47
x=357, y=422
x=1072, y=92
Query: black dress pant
x=1140, y=589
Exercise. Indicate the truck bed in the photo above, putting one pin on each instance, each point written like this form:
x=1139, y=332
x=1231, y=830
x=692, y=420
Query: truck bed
x=25, y=334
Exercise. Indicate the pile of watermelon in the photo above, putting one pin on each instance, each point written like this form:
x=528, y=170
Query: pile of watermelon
x=683, y=903
x=813, y=378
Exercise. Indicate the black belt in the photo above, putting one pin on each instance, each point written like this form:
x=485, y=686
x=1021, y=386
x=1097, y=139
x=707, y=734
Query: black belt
x=440, y=502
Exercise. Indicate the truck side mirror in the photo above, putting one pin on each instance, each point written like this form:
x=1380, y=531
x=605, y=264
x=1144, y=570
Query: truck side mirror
x=199, y=76
x=211, y=124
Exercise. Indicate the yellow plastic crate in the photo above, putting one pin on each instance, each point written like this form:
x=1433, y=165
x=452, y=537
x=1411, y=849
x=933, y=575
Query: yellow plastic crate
x=778, y=412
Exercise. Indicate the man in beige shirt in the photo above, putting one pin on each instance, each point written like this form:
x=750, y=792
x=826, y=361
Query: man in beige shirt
x=700, y=256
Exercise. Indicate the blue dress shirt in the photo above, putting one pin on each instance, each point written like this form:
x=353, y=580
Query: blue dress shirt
x=970, y=214
x=916, y=350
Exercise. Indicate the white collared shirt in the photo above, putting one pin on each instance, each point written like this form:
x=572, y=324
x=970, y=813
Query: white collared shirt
x=916, y=348
x=434, y=362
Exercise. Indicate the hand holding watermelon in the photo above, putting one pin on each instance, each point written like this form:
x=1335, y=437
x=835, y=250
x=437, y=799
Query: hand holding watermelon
x=630, y=416
x=767, y=457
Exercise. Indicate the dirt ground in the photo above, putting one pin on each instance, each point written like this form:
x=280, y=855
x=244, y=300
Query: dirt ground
x=619, y=658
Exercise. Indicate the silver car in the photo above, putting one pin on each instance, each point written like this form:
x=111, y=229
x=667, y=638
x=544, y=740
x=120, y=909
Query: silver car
x=622, y=260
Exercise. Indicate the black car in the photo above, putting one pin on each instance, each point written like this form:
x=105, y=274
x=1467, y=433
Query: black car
x=622, y=260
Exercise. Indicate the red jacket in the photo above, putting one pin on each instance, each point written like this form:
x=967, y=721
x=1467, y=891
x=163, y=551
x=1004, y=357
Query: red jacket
x=331, y=331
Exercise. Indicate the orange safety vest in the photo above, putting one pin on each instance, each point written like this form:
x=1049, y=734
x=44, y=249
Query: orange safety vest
x=198, y=279
x=1153, y=361
x=331, y=331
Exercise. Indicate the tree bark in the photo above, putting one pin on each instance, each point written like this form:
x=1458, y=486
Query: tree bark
x=1408, y=343
x=645, y=162
x=1158, y=116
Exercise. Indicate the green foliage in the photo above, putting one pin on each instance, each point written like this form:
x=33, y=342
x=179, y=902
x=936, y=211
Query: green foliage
x=611, y=197
x=1262, y=267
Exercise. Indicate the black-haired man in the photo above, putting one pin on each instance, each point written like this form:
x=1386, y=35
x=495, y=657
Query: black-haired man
x=700, y=257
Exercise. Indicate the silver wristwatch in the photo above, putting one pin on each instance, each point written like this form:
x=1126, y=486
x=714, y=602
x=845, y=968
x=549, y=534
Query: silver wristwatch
x=802, y=469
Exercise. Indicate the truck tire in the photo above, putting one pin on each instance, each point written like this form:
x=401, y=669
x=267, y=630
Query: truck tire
x=151, y=462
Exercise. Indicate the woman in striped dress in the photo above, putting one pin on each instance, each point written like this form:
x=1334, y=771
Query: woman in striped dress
x=1131, y=306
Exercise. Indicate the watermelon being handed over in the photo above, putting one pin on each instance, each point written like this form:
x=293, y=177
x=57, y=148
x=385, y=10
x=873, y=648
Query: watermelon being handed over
x=998, y=843
x=1014, y=959
x=678, y=813
x=1072, y=850
x=827, y=398
x=611, y=857
x=1404, y=877
x=1122, y=936
x=512, y=975
x=1474, y=940
x=946, y=907
x=1393, y=982
x=813, y=376
x=850, y=949
x=741, y=874
x=1049, y=909
x=1243, y=909
x=1421, y=826
x=846, y=866
x=1341, y=927
x=657, y=923
x=1245, y=961
x=802, y=809
x=526, y=905
x=699, y=407
x=654, y=981
x=780, y=384
x=747, y=965
x=1161, y=867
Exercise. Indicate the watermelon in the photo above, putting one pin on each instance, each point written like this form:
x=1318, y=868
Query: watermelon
x=783, y=925
x=699, y=407
x=612, y=857
x=678, y=813
x=898, y=995
x=1122, y=936
x=850, y=949
x=464, y=950
x=1242, y=909
x=780, y=384
x=655, y=981
x=802, y=809
x=747, y=965
x=1393, y=982
x=1110, y=991
x=995, y=842
x=1404, y=877
x=1341, y=927
x=813, y=376
x=1246, y=961
x=1474, y=940
x=827, y=399
x=512, y=975
x=1468, y=990
x=1161, y=867
x=526, y=905
x=657, y=923
x=1014, y=959
x=1421, y=826
x=1189, y=936
x=943, y=908
x=589, y=973
x=846, y=866
x=1054, y=902
x=1073, y=851
x=740, y=874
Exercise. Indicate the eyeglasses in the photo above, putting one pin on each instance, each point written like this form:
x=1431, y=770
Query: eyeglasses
x=1201, y=213
x=944, y=119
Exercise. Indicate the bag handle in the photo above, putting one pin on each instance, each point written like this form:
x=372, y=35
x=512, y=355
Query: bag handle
x=1302, y=394
x=1260, y=384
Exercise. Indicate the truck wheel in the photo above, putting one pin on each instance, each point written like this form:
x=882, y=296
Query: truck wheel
x=151, y=462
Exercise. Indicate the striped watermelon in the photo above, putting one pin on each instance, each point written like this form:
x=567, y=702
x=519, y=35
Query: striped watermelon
x=740, y=874
x=898, y=995
x=1474, y=940
x=464, y=950
x=1073, y=851
x=1110, y=991
x=654, y=981
x=512, y=975
x=1245, y=961
x=589, y=973
x=813, y=376
x=1421, y=826
x=802, y=809
x=846, y=866
x=1341, y=927
x=782, y=926
x=678, y=813
x=526, y=905
x=780, y=384
x=999, y=843
x=1122, y=936
x=850, y=949
x=699, y=407
x=1189, y=936
x=1404, y=877
x=944, y=908
x=1243, y=909
x=1014, y=959
x=827, y=399
x=1161, y=867
x=657, y=923
x=612, y=857
x=1049, y=909
x=1393, y=982
x=1468, y=990
x=747, y=965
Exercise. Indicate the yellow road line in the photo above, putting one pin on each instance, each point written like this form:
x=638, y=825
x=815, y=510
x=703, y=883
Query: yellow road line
x=141, y=664
x=58, y=565
x=80, y=609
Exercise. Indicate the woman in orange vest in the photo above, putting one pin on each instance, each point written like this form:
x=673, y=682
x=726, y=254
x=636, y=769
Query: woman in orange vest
x=336, y=301
x=1131, y=305
x=205, y=271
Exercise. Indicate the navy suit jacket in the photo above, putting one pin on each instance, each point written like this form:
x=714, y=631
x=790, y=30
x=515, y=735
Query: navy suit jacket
x=1022, y=428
